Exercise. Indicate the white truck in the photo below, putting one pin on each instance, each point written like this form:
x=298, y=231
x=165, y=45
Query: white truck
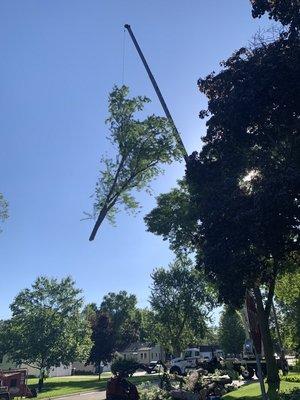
x=191, y=357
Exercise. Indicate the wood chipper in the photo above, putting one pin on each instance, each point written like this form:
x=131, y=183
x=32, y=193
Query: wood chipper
x=13, y=383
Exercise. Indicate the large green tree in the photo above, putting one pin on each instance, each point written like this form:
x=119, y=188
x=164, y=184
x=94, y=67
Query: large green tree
x=125, y=318
x=287, y=296
x=231, y=332
x=242, y=214
x=180, y=302
x=245, y=182
x=47, y=327
x=140, y=149
x=103, y=341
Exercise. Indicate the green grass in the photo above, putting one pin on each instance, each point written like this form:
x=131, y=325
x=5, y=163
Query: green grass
x=56, y=387
x=252, y=391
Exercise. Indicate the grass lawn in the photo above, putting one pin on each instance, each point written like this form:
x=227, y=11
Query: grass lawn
x=252, y=391
x=56, y=387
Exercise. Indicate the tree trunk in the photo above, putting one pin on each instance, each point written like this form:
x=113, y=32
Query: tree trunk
x=41, y=382
x=99, y=371
x=272, y=369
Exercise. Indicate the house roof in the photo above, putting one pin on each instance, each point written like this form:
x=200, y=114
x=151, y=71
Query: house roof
x=136, y=347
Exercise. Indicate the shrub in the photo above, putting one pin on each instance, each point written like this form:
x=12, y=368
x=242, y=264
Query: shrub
x=154, y=393
x=291, y=378
x=124, y=367
x=293, y=395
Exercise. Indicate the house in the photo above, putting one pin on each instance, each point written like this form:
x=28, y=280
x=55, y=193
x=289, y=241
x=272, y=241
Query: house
x=144, y=352
x=62, y=370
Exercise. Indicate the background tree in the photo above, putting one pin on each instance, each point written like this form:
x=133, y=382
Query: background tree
x=231, y=332
x=141, y=147
x=125, y=318
x=3, y=209
x=245, y=182
x=175, y=219
x=180, y=301
x=211, y=336
x=47, y=328
x=103, y=341
x=287, y=295
x=89, y=312
x=3, y=338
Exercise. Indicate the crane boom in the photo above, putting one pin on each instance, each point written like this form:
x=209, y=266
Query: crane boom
x=158, y=92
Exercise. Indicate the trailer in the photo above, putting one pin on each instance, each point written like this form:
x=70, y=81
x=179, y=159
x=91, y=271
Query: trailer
x=13, y=383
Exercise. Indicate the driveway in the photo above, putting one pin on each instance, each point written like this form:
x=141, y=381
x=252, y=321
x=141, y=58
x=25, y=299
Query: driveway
x=100, y=395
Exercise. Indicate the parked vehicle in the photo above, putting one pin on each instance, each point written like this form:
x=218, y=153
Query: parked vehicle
x=193, y=358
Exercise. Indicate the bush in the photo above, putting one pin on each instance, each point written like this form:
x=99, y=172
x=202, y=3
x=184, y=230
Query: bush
x=291, y=378
x=78, y=372
x=296, y=367
x=124, y=367
x=153, y=393
x=293, y=395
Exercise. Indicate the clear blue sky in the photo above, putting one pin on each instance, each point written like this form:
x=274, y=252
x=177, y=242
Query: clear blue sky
x=59, y=60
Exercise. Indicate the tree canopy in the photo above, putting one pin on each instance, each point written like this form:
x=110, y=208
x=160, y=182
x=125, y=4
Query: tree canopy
x=180, y=302
x=103, y=344
x=125, y=318
x=243, y=200
x=231, y=332
x=287, y=296
x=175, y=219
x=47, y=328
x=141, y=147
x=285, y=11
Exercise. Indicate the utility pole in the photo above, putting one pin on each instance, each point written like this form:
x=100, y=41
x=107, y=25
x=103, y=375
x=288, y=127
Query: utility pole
x=158, y=92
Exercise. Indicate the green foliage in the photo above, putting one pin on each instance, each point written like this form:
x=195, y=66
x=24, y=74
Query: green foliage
x=47, y=328
x=287, y=294
x=103, y=340
x=231, y=332
x=244, y=182
x=3, y=209
x=141, y=146
x=181, y=301
x=285, y=11
x=148, y=328
x=151, y=392
x=125, y=317
x=124, y=367
x=294, y=394
x=175, y=219
x=89, y=312
x=291, y=378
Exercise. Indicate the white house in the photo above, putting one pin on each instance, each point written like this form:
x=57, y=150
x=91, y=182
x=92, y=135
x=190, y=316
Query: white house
x=144, y=352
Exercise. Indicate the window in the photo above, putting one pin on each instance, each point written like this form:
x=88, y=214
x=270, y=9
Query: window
x=13, y=383
x=197, y=353
x=142, y=355
x=188, y=354
x=145, y=355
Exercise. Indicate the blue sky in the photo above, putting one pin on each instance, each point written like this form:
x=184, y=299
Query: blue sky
x=59, y=61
